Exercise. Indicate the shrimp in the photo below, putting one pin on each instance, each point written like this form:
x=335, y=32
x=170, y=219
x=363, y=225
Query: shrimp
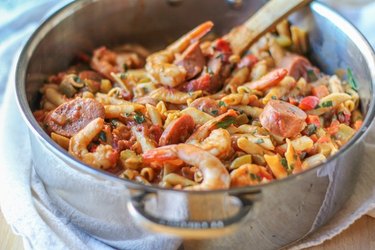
x=215, y=175
x=249, y=174
x=104, y=62
x=160, y=65
x=104, y=156
x=218, y=143
x=221, y=121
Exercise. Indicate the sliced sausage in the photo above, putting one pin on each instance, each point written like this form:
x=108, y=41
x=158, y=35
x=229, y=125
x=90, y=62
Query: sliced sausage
x=192, y=60
x=70, y=117
x=177, y=131
x=297, y=66
x=282, y=118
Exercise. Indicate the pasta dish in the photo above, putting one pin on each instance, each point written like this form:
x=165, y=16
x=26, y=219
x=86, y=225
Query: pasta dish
x=198, y=116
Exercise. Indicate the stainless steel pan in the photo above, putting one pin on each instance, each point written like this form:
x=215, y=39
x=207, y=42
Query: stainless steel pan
x=266, y=216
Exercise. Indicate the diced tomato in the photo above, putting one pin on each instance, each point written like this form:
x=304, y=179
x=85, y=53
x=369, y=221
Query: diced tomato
x=39, y=115
x=309, y=103
x=320, y=91
x=201, y=83
x=314, y=138
x=223, y=46
x=264, y=174
x=293, y=101
x=113, y=157
x=280, y=150
x=357, y=124
x=313, y=119
x=155, y=132
x=247, y=61
x=334, y=127
x=324, y=139
x=344, y=117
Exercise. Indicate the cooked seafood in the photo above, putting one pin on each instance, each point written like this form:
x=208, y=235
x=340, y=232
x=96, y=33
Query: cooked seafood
x=197, y=116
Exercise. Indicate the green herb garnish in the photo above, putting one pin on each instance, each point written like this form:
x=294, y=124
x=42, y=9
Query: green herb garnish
x=284, y=163
x=311, y=129
x=255, y=177
x=139, y=118
x=259, y=141
x=125, y=67
x=291, y=167
x=312, y=77
x=210, y=71
x=327, y=104
x=122, y=75
x=222, y=104
x=77, y=79
x=273, y=97
x=114, y=123
x=215, y=112
x=221, y=56
x=102, y=136
x=351, y=80
x=226, y=122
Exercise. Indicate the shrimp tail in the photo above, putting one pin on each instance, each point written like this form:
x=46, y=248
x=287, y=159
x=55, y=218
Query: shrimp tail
x=194, y=35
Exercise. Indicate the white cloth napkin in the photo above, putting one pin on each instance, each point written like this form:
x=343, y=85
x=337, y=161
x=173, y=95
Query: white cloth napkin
x=26, y=205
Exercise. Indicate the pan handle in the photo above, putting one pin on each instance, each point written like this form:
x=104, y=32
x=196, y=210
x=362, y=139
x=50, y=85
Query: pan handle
x=193, y=229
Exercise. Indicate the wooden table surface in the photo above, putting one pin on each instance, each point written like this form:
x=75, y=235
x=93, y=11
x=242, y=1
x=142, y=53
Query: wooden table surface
x=359, y=236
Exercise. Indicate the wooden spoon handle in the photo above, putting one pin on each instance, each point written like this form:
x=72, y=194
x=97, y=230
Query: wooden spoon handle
x=241, y=37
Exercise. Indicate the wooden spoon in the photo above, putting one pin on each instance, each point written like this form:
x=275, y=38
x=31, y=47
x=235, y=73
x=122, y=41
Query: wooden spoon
x=266, y=18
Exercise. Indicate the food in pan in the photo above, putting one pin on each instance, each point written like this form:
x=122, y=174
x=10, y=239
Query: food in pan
x=197, y=116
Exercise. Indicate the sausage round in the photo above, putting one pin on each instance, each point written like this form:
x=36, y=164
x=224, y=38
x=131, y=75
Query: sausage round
x=177, y=131
x=70, y=117
x=192, y=60
x=297, y=66
x=282, y=118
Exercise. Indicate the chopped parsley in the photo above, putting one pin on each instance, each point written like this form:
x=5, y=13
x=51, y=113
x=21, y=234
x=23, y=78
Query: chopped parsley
x=125, y=67
x=284, y=163
x=77, y=79
x=222, y=104
x=221, y=56
x=139, y=118
x=255, y=177
x=214, y=112
x=273, y=97
x=114, y=123
x=123, y=75
x=291, y=167
x=226, y=122
x=327, y=104
x=209, y=71
x=351, y=80
x=259, y=141
x=311, y=129
x=311, y=75
x=102, y=136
